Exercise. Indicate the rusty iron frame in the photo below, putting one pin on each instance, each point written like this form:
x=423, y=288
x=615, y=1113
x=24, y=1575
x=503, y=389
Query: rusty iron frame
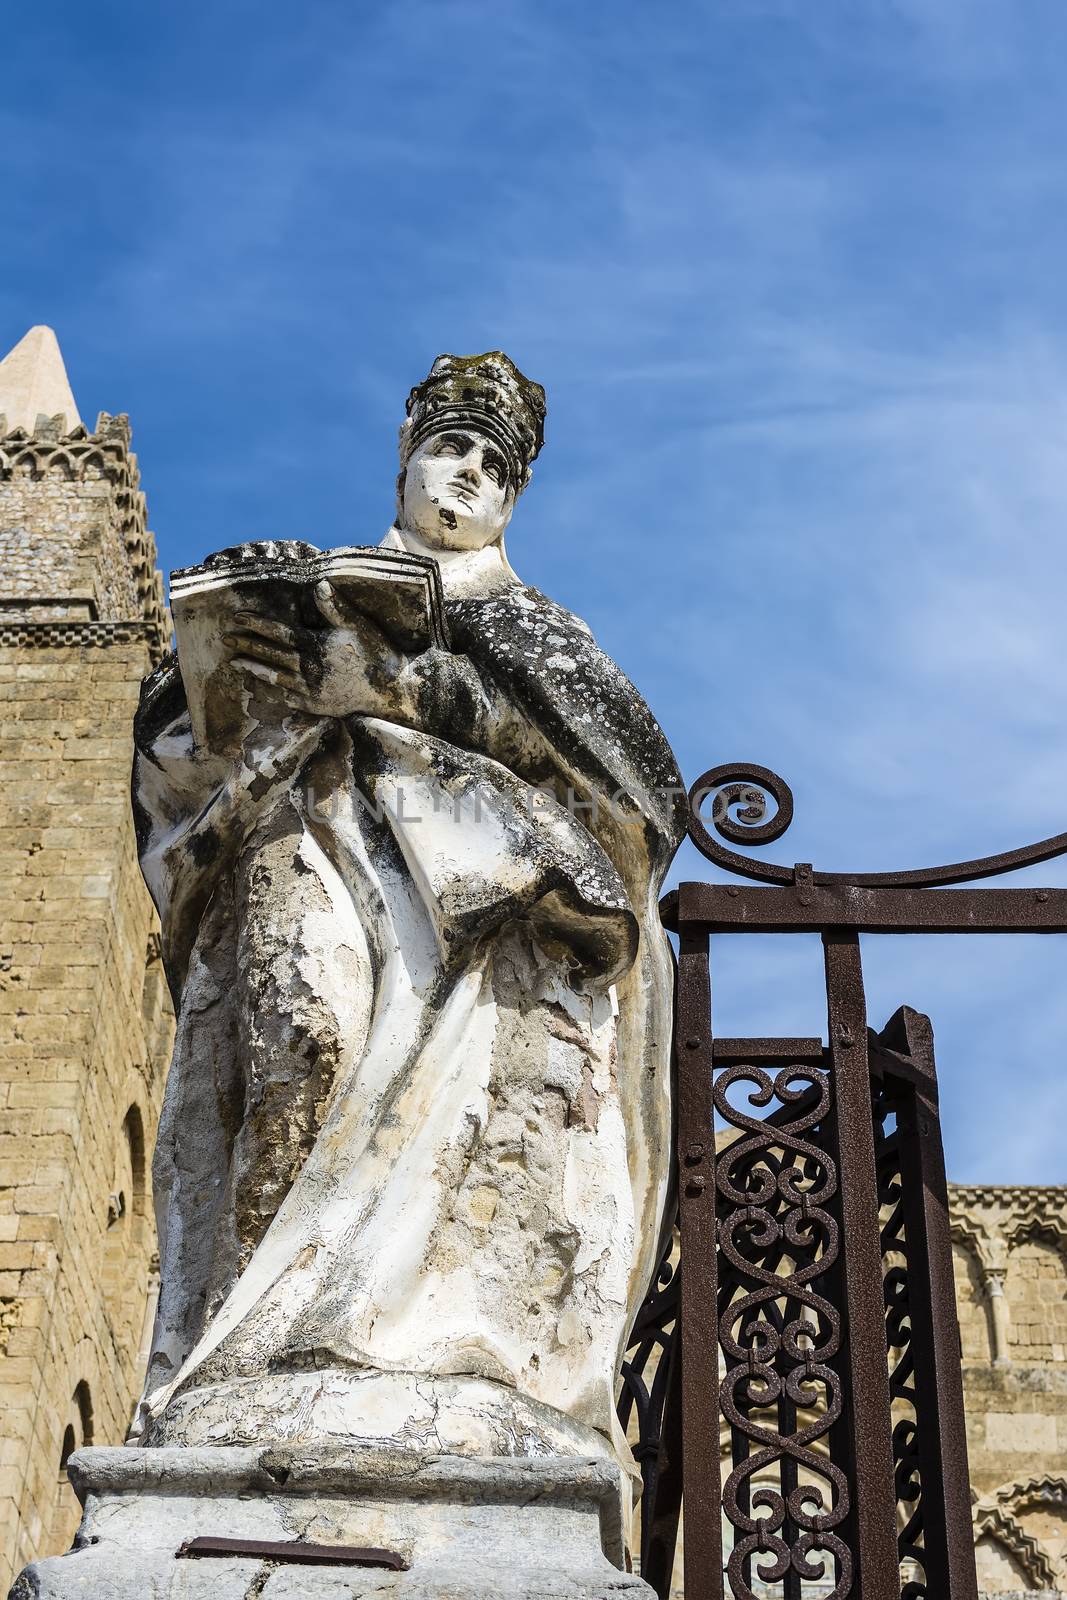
x=808, y=1312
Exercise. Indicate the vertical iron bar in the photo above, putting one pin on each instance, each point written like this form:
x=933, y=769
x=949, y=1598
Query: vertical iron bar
x=660, y=1537
x=698, y=1307
x=787, y=1426
x=740, y=1450
x=948, y=1538
x=866, y=1428
x=792, y=1583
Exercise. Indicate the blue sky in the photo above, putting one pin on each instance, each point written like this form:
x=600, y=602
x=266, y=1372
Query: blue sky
x=792, y=274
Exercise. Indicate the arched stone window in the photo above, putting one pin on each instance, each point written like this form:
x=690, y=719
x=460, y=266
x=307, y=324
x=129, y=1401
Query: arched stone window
x=125, y=1223
x=1011, y=1559
x=84, y=1406
x=78, y=1432
x=1036, y=1289
x=156, y=1011
x=999, y=1571
x=972, y=1305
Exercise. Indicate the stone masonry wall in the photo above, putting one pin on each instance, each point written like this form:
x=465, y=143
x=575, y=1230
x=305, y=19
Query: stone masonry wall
x=1010, y=1249
x=84, y=1040
x=85, y=1021
x=73, y=538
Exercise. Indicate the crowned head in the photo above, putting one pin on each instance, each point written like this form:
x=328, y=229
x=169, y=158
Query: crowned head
x=473, y=429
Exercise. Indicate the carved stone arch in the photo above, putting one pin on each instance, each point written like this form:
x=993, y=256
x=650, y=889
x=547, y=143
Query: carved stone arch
x=1038, y=1221
x=969, y=1222
x=133, y=1127
x=126, y=1229
x=26, y=464
x=973, y=1305
x=1036, y=1285
x=92, y=465
x=1046, y=1490
x=76, y=1432
x=133, y=1130
x=83, y=1403
x=995, y=1524
x=114, y=468
x=60, y=463
x=1039, y=1506
x=156, y=1008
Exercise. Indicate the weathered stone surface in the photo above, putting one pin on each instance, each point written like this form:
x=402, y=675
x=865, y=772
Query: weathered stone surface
x=1010, y=1250
x=85, y=1020
x=74, y=542
x=467, y=1528
x=413, y=1158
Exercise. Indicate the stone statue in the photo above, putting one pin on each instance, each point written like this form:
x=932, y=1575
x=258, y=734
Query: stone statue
x=413, y=1157
x=412, y=1167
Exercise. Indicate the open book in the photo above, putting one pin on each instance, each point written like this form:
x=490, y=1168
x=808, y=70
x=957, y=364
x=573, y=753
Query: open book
x=399, y=591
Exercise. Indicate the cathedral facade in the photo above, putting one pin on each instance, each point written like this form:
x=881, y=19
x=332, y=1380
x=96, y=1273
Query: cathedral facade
x=1010, y=1250
x=87, y=1028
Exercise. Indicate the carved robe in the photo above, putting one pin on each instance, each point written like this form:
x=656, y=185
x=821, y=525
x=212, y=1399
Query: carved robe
x=413, y=1156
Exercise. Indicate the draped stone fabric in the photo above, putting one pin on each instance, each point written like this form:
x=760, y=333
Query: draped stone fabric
x=412, y=1165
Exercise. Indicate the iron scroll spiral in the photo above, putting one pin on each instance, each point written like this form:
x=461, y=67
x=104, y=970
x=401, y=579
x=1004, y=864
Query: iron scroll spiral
x=740, y=794
x=744, y=789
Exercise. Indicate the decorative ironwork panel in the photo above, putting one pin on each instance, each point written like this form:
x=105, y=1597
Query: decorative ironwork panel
x=808, y=1324
x=907, y=1476
x=780, y=1335
x=786, y=1369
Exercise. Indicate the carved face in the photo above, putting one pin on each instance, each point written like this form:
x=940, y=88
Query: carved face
x=458, y=493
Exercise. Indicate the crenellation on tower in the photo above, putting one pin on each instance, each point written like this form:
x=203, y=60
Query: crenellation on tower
x=74, y=540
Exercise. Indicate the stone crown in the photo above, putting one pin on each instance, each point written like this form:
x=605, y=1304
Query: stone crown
x=486, y=392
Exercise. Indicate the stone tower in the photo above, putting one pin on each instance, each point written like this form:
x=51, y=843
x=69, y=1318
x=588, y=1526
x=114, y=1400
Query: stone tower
x=85, y=1021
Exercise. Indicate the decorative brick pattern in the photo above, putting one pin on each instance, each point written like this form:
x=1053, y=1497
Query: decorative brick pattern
x=69, y=635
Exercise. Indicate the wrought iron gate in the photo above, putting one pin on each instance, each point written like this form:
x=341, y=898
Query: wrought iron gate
x=803, y=1321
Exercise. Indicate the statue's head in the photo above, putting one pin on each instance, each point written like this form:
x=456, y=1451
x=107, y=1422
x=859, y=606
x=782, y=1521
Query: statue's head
x=474, y=427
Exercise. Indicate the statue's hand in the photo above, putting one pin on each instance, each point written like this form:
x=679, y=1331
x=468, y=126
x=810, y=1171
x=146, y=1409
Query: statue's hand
x=346, y=669
x=284, y=757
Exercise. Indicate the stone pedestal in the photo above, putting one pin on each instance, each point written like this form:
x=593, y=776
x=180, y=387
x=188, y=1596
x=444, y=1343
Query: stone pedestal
x=466, y=1528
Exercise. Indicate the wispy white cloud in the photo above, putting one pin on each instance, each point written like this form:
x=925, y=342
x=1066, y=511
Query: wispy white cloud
x=792, y=274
